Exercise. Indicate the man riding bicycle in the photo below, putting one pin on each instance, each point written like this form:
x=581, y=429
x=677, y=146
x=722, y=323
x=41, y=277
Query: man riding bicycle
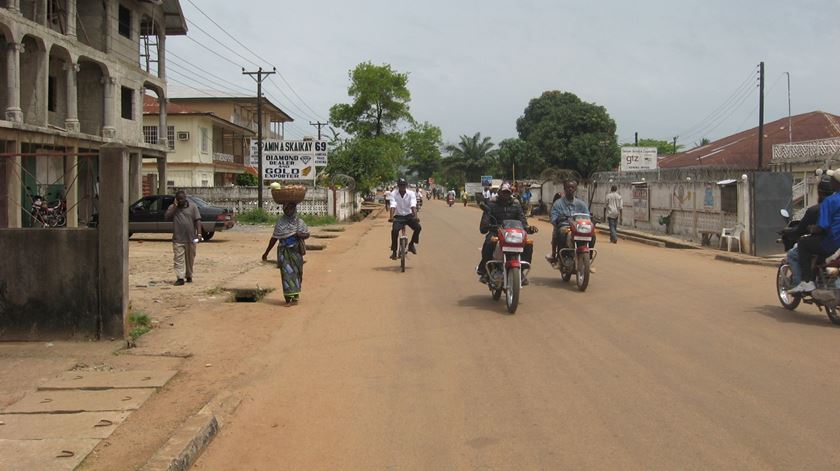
x=403, y=213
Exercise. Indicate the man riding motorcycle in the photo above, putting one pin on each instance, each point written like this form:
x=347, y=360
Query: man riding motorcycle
x=561, y=211
x=825, y=238
x=503, y=208
x=809, y=219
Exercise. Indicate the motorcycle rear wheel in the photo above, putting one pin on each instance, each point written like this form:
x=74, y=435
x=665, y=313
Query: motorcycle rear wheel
x=783, y=284
x=583, y=271
x=832, y=314
x=514, y=282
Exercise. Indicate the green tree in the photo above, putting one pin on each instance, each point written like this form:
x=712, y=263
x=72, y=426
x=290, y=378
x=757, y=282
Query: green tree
x=472, y=156
x=517, y=152
x=566, y=132
x=374, y=147
x=380, y=102
x=663, y=147
x=422, y=149
x=247, y=179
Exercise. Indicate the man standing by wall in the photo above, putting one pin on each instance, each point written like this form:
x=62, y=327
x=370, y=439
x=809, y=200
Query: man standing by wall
x=186, y=232
x=614, y=212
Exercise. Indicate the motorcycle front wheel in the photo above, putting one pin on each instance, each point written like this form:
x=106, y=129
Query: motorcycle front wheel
x=783, y=285
x=514, y=281
x=583, y=271
x=832, y=314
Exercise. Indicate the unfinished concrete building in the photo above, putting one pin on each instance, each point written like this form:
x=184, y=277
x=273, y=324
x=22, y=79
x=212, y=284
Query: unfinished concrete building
x=74, y=74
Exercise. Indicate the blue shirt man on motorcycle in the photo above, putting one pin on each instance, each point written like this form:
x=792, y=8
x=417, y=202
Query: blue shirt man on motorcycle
x=825, y=238
x=504, y=207
x=561, y=211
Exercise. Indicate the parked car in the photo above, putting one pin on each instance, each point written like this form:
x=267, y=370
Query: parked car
x=147, y=215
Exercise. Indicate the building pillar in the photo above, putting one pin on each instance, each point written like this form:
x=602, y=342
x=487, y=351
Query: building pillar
x=113, y=240
x=13, y=110
x=71, y=185
x=161, y=165
x=163, y=135
x=135, y=177
x=71, y=123
x=70, y=19
x=41, y=12
x=14, y=218
x=109, y=129
x=110, y=25
x=14, y=6
x=162, y=55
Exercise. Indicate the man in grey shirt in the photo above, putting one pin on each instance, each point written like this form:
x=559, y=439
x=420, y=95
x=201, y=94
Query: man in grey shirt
x=186, y=232
x=613, y=212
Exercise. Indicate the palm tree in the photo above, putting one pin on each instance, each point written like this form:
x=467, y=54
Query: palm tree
x=474, y=156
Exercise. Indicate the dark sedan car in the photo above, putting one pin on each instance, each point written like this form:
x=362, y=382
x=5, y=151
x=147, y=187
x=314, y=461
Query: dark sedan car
x=147, y=215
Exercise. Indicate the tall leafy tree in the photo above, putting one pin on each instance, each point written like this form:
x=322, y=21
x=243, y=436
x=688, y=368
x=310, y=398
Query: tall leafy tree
x=373, y=120
x=566, y=132
x=422, y=149
x=474, y=156
x=516, y=155
x=380, y=102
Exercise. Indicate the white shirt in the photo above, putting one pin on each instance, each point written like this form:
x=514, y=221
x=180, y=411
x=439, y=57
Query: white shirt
x=403, y=204
x=614, y=204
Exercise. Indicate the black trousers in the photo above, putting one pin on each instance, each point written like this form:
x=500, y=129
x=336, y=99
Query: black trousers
x=488, y=248
x=808, y=247
x=399, y=223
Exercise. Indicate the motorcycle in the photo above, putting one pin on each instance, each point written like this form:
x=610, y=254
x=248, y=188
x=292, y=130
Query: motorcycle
x=576, y=257
x=826, y=278
x=450, y=200
x=48, y=215
x=504, y=271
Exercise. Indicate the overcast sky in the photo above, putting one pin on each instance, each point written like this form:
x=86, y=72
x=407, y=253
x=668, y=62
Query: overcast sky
x=659, y=67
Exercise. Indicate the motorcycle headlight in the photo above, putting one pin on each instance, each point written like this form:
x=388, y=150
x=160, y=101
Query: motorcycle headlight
x=514, y=237
x=584, y=229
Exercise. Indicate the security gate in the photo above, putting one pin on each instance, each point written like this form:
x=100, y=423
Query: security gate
x=771, y=192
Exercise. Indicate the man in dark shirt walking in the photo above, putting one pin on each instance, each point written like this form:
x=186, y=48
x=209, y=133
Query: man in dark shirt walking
x=186, y=233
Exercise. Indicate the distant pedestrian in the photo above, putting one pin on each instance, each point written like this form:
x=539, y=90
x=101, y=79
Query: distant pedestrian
x=186, y=233
x=526, y=200
x=291, y=232
x=387, y=198
x=614, y=212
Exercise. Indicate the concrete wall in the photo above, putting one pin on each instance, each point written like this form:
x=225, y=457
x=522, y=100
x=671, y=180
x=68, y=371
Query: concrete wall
x=318, y=201
x=44, y=294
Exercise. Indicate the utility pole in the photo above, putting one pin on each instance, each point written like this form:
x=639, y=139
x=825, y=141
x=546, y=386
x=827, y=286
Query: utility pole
x=675, y=144
x=790, y=123
x=260, y=76
x=760, y=115
x=637, y=140
x=319, y=125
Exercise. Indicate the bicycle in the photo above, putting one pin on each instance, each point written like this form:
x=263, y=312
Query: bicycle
x=403, y=249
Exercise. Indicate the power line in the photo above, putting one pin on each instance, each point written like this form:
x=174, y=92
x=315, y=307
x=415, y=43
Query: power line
x=255, y=55
x=221, y=43
x=239, y=66
x=744, y=85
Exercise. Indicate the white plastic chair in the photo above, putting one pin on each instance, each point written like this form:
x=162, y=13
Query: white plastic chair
x=731, y=234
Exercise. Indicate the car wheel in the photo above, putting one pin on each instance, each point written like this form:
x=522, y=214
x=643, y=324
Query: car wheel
x=207, y=235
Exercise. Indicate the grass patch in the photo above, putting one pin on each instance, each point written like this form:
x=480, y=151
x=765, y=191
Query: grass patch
x=215, y=291
x=140, y=324
x=261, y=216
x=256, y=216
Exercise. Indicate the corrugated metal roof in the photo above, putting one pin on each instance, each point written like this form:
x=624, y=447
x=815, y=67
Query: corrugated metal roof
x=741, y=150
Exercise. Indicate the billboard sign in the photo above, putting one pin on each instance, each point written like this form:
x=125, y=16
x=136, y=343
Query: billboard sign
x=638, y=158
x=287, y=160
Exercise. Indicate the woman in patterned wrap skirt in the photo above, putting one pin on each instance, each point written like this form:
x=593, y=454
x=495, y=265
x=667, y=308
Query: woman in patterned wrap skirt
x=291, y=232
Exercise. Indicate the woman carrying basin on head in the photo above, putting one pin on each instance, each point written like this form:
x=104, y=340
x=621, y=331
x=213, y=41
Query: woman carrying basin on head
x=291, y=232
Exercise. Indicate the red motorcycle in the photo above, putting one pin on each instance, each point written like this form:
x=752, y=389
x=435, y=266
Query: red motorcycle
x=450, y=200
x=576, y=257
x=505, y=269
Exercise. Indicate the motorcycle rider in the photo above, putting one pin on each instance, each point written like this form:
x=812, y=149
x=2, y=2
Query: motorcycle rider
x=403, y=213
x=810, y=218
x=825, y=238
x=561, y=211
x=504, y=207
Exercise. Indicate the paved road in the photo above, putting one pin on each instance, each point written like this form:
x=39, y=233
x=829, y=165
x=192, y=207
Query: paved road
x=670, y=360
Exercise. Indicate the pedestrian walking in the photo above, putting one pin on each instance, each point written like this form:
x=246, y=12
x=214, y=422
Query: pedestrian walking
x=291, y=232
x=614, y=210
x=186, y=233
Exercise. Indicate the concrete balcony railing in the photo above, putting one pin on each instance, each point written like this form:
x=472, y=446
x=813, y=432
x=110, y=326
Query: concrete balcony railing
x=222, y=157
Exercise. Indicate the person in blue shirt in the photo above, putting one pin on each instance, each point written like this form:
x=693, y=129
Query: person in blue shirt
x=825, y=238
x=561, y=211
